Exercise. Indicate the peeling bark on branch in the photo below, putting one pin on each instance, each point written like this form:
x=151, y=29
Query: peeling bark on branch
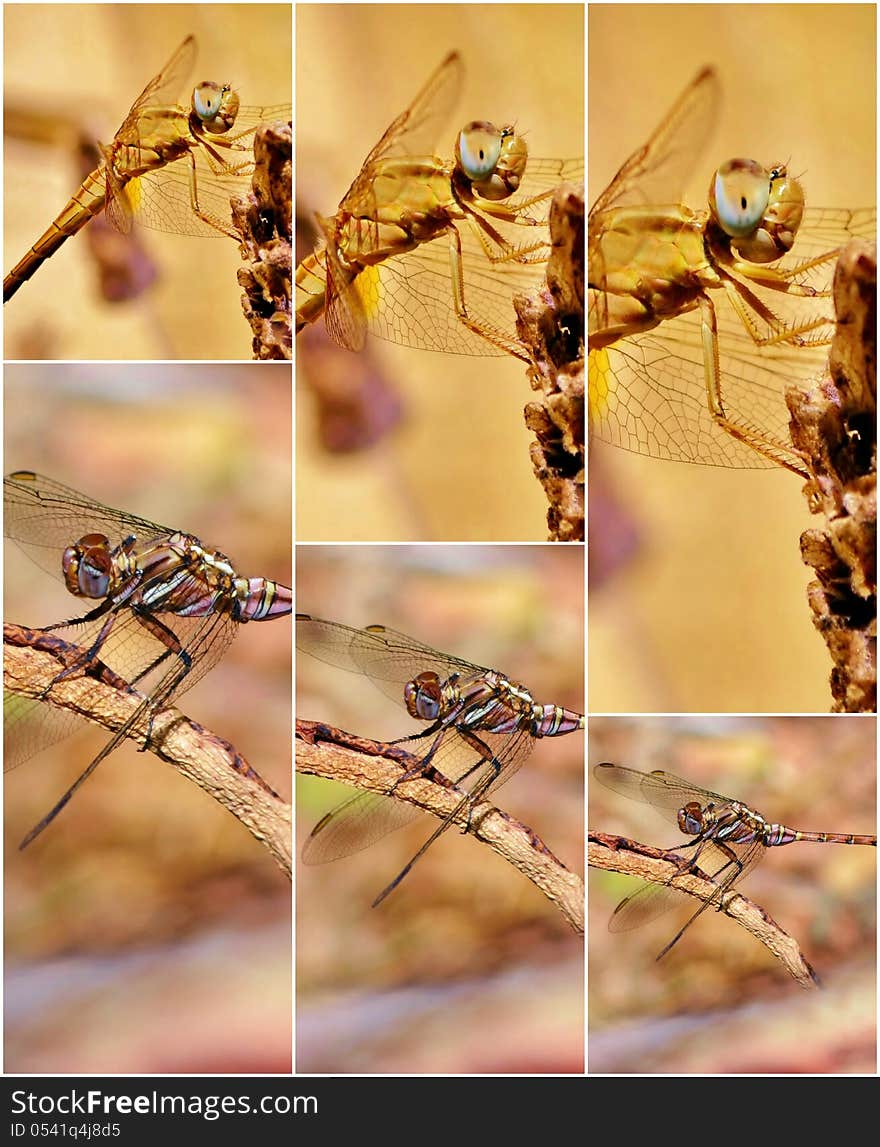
x=264, y=221
x=835, y=426
x=619, y=854
x=374, y=766
x=550, y=322
x=32, y=660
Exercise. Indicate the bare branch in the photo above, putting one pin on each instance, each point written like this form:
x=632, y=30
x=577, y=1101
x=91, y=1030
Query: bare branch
x=550, y=322
x=32, y=661
x=374, y=766
x=264, y=221
x=834, y=424
x=619, y=854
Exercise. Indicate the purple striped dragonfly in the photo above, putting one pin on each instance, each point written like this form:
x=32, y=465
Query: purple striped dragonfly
x=729, y=839
x=167, y=609
x=481, y=726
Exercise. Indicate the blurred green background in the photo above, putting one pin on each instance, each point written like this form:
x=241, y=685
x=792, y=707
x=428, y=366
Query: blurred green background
x=146, y=930
x=719, y=1002
x=466, y=967
x=457, y=465
x=89, y=63
x=699, y=604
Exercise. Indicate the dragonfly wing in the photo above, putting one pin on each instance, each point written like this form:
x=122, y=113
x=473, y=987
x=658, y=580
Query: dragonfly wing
x=647, y=393
x=364, y=819
x=651, y=901
x=165, y=88
x=415, y=132
x=409, y=299
x=136, y=655
x=354, y=825
x=658, y=172
x=389, y=658
x=44, y=517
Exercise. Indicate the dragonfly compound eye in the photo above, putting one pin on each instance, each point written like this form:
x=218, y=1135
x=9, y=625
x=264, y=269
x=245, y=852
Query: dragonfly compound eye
x=478, y=149
x=88, y=566
x=690, y=819
x=216, y=105
x=782, y=218
x=738, y=196
x=423, y=696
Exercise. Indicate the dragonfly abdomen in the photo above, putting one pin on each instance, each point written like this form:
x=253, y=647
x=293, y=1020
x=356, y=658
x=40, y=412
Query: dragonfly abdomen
x=259, y=599
x=84, y=205
x=780, y=834
x=554, y=720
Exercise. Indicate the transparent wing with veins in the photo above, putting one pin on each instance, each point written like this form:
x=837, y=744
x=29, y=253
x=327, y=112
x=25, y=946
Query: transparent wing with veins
x=658, y=171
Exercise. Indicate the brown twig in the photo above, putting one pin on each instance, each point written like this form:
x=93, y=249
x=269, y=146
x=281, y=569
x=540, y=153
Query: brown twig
x=834, y=425
x=619, y=854
x=32, y=660
x=550, y=322
x=374, y=766
x=264, y=221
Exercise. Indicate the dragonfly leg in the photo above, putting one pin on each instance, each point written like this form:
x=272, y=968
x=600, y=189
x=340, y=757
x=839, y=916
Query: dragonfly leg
x=496, y=337
x=88, y=657
x=778, y=452
x=206, y=216
x=746, y=307
x=498, y=250
x=167, y=688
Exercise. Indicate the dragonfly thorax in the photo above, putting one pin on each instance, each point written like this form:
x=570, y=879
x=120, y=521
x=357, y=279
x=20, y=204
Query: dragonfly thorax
x=92, y=568
x=214, y=107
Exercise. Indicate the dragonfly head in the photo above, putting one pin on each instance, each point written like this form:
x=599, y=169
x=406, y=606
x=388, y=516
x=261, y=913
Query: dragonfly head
x=89, y=567
x=215, y=106
x=424, y=697
x=693, y=818
x=759, y=209
x=492, y=159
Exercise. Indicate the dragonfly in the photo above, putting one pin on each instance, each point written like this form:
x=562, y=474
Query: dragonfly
x=167, y=609
x=729, y=839
x=480, y=728
x=170, y=167
x=429, y=252
x=699, y=319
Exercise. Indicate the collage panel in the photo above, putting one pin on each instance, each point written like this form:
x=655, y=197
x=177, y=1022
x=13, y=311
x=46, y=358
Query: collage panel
x=699, y=591
x=779, y=975
x=450, y=422
x=473, y=962
x=146, y=929
x=133, y=127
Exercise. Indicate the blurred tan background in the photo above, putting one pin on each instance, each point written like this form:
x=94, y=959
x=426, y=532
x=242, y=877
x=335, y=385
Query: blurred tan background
x=703, y=607
x=466, y=967
x=457, y=465
x=719, y=1002
x=146, y=930
x=92, y=61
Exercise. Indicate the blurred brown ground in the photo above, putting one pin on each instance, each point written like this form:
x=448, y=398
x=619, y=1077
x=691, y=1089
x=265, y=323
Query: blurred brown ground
x=146, y=930
x=710, y=614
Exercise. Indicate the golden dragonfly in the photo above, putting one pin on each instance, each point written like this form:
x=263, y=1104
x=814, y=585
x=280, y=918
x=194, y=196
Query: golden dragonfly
x=169, y=167
x=699, y=319
x=429, y=252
